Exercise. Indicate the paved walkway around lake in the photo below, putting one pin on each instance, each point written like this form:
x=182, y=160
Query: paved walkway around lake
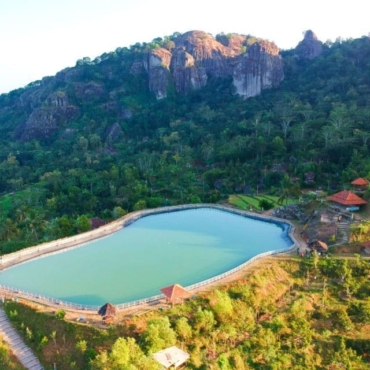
x=16, y=344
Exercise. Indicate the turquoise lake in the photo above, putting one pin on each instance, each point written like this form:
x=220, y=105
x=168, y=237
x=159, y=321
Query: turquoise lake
x=183, y=247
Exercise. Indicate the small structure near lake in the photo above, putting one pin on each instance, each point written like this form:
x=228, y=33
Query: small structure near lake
x=96, y=222
x=171, y=357
x=348, y=199
x=318, y=246
x=107, y=312
x=175, y=293
x=360, y=184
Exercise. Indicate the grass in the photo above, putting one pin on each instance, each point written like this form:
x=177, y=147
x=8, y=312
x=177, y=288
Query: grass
x=7, y=359
x=248, y=201
x=240, y=203
x=37, y=330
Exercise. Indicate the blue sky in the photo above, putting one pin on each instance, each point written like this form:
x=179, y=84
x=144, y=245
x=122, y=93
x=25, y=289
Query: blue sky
x=41, y=37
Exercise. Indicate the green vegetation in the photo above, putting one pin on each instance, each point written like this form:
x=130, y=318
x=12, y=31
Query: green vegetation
x=257, y=202
x=7, y=360
x=300, y=313
x=200, y=147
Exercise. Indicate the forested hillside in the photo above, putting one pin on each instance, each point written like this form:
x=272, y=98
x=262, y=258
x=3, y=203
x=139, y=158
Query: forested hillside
x=97, y=140
x=301, y=314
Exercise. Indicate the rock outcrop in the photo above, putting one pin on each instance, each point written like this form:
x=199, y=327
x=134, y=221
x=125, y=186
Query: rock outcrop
x=44, y=121
x=111, y=83
x=113, y=132
x=254, y=64
x=157, y=63
x=310, y=47
x=185, y=73
x=261, y=67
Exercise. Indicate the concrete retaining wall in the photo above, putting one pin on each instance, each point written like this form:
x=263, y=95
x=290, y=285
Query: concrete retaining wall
x=59, y=245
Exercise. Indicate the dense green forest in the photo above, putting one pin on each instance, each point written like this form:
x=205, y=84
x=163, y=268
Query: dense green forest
x=186, y=148
x=296, y=313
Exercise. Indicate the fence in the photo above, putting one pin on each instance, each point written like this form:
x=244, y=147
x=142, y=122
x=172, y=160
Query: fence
x=76, y=241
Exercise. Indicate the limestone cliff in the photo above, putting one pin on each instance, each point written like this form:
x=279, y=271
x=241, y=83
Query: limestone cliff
x=259, y=68
x=185, y=74
x=197, y=55
x=157, y=63
x=310, y=47
x=113, y=83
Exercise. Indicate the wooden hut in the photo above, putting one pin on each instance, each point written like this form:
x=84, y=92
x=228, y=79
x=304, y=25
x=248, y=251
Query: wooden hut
x=172, y=357
x=318, y=246
x=348, y=199
x=107, y=312
x=360, y=184
x=96, y=222
x=175, y=293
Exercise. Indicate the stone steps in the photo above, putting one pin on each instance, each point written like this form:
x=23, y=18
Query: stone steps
x=16, y=344
x=343, y=228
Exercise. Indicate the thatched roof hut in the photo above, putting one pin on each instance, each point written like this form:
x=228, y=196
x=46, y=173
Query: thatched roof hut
x=96, y=222
x=175, y=293
x=108, y=310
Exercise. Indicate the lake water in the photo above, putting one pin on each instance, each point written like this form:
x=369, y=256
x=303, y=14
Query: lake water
x=181, y=247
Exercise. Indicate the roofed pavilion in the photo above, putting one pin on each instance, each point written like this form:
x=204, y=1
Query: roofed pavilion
x=347, y=198
x=175, y=293
x=108, y=310
x=360, y=183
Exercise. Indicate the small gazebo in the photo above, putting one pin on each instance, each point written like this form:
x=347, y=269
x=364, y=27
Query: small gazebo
x=360, y=184
x=107, y=312
x=347, y=198
x=175, y=293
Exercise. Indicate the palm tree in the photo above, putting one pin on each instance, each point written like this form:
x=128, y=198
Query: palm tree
x=288, y=190
x=9, y=230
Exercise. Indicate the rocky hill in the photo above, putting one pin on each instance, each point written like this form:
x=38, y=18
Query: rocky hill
x=176, y=121
x=253, y=64
x=176, y=65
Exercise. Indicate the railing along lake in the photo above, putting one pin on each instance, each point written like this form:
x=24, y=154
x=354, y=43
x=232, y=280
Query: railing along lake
x=60, y=245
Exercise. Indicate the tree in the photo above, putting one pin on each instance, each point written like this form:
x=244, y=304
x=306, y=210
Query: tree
x=125, y=355
x=119, y=212
x=343, y=357
x=204, y=320
x=315, y=258
x=223, y=306
x=183, y=328
x=158, y=335
x=83, y=224
x=9, y=229
x=139, y=205
x=288, y=190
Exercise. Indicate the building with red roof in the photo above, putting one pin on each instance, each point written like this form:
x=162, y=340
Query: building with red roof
x=360, y=184
x=175, y=293
x=347, y=198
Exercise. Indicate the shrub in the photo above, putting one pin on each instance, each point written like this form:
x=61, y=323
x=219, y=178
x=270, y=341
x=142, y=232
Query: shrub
x=60, y=314
x=265, y=204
